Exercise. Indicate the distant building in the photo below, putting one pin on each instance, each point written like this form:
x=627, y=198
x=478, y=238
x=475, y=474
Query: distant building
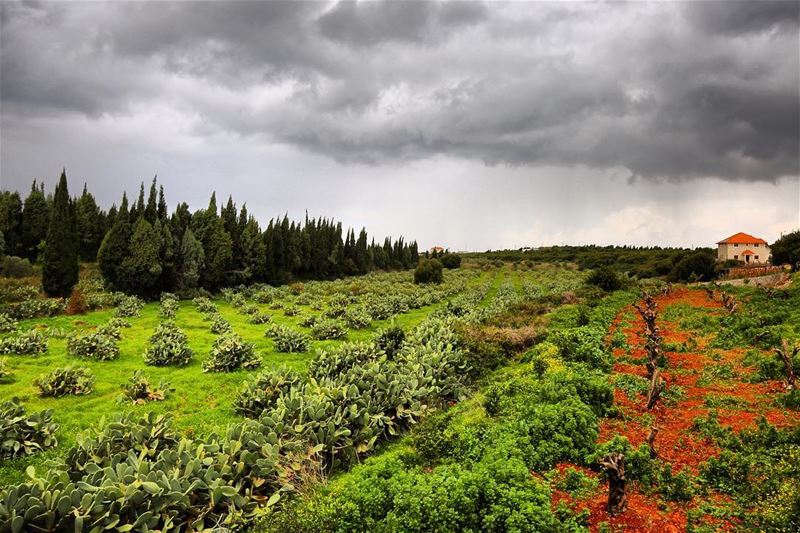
x=745, y=248
x=437, y=250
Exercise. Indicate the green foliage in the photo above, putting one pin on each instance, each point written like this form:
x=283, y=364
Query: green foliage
x=450, y=260
x=786, y=250
x=287, y=340
x=169, y=305
x=192, y=259
x=230, y=353
x=35, y=222
x=428, y=271
x=60, y=264
x=138, y=390
x=6, y=375
x=328, y=328
x=140, y=271
x=63, y=381
x=220, y=326
x=22, y=434
x=14, y=267
x=332, y=363
x=93, y=346
x=7, y=324
x=582, y=345
x=30, y=342
x=605, y=278
x=263, y=391
x=698, y=266
x=357, y=318
x=168, y=347
x=128, y=307
x=390, y=340
x=259, y=318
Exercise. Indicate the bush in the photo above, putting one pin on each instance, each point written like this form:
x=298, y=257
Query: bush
x=390, y=340
x=220, y=326
x=428, y=271
x=169, y=305
x=327, y=329
x=260, y=318
x=139, y=391
x=264, y=390
x=287, y=340
x=7, y=324
x=129, y=306
x=450, y=260
x=786, y=250
x=6, y=376
x=204, y=305
x=168, y=347
x=30, y=342
x=77, y=305
x=697, y=266
x=582, y=345
x=22, y=434
x=63, y=381
x=605, y=278
x=15, y=267
x=357, y=318
x=111, y=329
x=230, y=353
x=93, y=346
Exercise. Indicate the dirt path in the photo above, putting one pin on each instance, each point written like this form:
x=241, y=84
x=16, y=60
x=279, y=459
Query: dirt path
x=697, y=388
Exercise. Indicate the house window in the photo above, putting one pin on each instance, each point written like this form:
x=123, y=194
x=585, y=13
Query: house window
x=735, y=245
x=736, y=257
x=756, y=258
x=756, y=247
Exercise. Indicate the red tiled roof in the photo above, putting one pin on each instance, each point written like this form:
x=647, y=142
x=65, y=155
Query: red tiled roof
x=748, y=252
x=742, y=238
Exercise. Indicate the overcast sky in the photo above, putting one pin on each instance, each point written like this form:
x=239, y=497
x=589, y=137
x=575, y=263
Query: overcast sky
x=461, y=124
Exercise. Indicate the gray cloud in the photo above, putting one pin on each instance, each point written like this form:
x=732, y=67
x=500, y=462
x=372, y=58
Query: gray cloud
x=662, y=90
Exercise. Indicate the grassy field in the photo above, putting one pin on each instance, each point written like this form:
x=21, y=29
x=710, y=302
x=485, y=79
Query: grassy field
x=201, y=403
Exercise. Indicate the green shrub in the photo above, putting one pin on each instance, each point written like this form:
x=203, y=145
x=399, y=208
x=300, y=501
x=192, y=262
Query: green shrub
x=697, y=266
x=287, y=340
x=204, y=305
x=605, y=278
x=22, y=434
x=327, y=329
x=582, y=345
x=169, y=305
x=30, y=342
x=428, y=271
x=93, y=346
x=15, y=267
x=390, y=340
x=450, y=260
x=110, y=329
x=259, y=318
x=220, y=326
x=332, y=363
x=6, y=375
x=63, y=381
x=357, y=318
x=168, y=347
x=263, y=391
x=230, y=353
x=308, y=321
x=138, y=390
x=7, y=324
x=129, y=307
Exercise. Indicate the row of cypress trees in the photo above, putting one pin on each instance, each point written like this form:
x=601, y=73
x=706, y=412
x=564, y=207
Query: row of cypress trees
x=143, y=249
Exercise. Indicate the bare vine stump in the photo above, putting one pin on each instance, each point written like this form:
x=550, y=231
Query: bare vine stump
x=651, y=440
x=656, y=388
x=614, y=467
x=787, y=355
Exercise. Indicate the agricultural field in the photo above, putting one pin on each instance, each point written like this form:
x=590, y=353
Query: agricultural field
x=503, y=399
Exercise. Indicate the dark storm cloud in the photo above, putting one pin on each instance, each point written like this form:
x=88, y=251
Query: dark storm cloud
x=662, y=90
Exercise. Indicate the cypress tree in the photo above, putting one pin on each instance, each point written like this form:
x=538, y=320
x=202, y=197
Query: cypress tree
x=35, y=222
x=192, y=261
x=114, y=248
x=60, y=268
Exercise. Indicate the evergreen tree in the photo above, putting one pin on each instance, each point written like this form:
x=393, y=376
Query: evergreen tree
x=60, y=267
x=35, y=222
x=11, y=221
x=151, y=211
x=162, y=205
x=91, y=226
x=140, y=271
x=114, y=247
x=192, y=259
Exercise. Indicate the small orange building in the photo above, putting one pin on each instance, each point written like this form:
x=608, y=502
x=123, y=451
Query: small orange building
x=745, y=248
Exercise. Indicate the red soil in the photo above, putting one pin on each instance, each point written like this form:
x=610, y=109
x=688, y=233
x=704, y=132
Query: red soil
x=677, y=443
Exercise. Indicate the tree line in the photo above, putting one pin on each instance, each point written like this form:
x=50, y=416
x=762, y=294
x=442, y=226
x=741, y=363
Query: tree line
x=141, y=248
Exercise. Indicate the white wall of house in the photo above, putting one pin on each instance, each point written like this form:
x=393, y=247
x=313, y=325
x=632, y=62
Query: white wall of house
x=762, y=253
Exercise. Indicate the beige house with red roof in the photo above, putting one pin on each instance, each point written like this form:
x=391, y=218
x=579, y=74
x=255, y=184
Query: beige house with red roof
x=745, y=248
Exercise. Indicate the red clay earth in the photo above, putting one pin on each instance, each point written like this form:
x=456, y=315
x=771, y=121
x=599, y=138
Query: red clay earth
x=677, y=442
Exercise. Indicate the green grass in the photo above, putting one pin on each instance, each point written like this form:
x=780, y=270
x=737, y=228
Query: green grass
x=201, y=403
